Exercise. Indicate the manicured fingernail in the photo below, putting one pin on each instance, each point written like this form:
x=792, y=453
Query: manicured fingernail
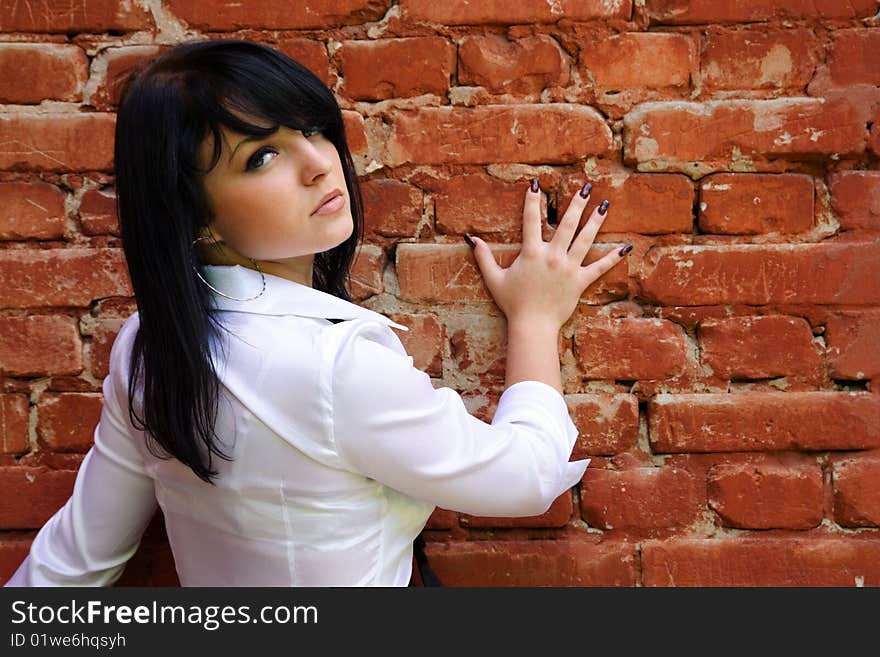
x=585, y=190
x=625, y=250
x=603, y=207
x=467, y=238
x=534, y=184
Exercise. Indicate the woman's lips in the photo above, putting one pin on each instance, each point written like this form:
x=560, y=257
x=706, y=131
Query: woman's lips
x=333, y=205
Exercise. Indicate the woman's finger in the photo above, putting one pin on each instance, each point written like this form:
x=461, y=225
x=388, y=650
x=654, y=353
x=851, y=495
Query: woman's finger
x=532, y=215
x=584, y=240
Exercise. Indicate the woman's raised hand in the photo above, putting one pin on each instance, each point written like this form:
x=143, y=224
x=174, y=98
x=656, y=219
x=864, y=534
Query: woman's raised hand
x=547, y=279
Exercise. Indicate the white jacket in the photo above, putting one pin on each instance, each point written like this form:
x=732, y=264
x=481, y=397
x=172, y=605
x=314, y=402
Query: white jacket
x=341, y=450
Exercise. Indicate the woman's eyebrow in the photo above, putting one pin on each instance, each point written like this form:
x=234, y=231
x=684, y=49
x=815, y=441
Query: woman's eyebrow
x=243, y=141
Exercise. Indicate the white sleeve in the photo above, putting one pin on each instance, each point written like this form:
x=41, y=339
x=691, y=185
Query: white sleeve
x=392, y=425
x=88, y=541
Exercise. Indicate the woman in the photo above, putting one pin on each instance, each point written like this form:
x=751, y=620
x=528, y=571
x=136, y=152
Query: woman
x=281, y=428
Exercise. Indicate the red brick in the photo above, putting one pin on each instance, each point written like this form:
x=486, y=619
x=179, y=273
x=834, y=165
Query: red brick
x=13, y=550
x=854, y=57
x=66, y=422
x=754, y=204
x=435, y=273
x=557, y=133
x=855, y=199
x=98, y=349
x=217, y=15
x=424, y=341
x=766, y=497
x=557, y=515
x=642, y=498
x=396, y=68
x=512, y=13
x=653, y=60
x=310, y=53
x=533, y=563
x=757, y=421
x=53, y=72
x=31, y=210
x=757, y=59
x=13, y=424
x=477, y=203
x=97, y=213
x=852, y=338
x=723, y=135
x=61, y=277
x=757, y=274
x=366, y=272
x=37, y=345
x=442, y=519
x=628, y=348
x=391, y=208
x=524, y=66
x=60, y=17
x=607, y=423
x=857, y=490
x=643, y=203
x=355, y=132
x=690, y=12
x=874, y=143
x=30, y=496
x=119, y=64
x=478, y=344
x=57, y=141
x=814, y=561
x=758, y=347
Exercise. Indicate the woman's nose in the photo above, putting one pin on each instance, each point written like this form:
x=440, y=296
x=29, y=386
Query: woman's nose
x=316, y=162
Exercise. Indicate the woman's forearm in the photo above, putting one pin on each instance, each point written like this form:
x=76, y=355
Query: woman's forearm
x=533, y=352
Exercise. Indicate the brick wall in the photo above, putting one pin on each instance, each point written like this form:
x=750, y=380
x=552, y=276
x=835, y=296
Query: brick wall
x=722, y=378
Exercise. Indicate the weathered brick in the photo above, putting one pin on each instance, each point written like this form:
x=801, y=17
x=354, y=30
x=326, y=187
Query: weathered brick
x=557, y=133
x=729, y=134
x=852, y=339
x=217, y=15
x=533, y=563
x=829, y=273
x=690, y=12
x=53, y=71
x=856, y=480
x=653, y=60
x=643, y=203
x=854, y=57
x=477, y=344
x=754, y=204
x=60, y=17
x=733, y=60
x=57, y=141
x=66, y=422
x=511, y=13
x=641, y=498
x=477, y=203
x=36, y=345
x=855, y=199
x=366, y=272
x=442, y=519
x=311, y=53
x=628, y=348
x=97, y=213
x=758, y=347
x=757, y=421
x=557, y=515
x=61, y=277
x=98, y=351
x=814, y=561
x=31, y=210
x=524, y=66
x=424, y=341
x=30, y=496
x=391, y=208
x=119, y=63
x=13, y=424
x=767, y=496
x=434, y=273
x=355, y=132
x=396, y=68
x=13, y=550
x=607, y=423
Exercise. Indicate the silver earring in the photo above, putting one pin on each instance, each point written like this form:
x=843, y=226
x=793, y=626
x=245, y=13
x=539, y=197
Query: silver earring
x=262, y=276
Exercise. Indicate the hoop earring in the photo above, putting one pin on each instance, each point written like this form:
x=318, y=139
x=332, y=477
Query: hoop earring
x=262, y=276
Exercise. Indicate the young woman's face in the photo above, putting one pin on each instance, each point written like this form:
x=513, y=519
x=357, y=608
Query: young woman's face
x=264, y=194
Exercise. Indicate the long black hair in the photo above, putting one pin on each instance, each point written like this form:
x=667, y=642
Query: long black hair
x=167, y=107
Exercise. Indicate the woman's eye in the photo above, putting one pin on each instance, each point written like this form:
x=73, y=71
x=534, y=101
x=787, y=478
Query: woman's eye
x=257, y=156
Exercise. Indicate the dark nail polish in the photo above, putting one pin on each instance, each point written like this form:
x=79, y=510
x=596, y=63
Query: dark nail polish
x=535, y=185
x=603, y=207
x=467, y=238
x=625, y=250
x=585, y=190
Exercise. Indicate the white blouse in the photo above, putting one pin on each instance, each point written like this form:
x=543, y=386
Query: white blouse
x=340, y=449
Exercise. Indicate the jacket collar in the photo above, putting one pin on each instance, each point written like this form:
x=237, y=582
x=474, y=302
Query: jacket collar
x=281, y=297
